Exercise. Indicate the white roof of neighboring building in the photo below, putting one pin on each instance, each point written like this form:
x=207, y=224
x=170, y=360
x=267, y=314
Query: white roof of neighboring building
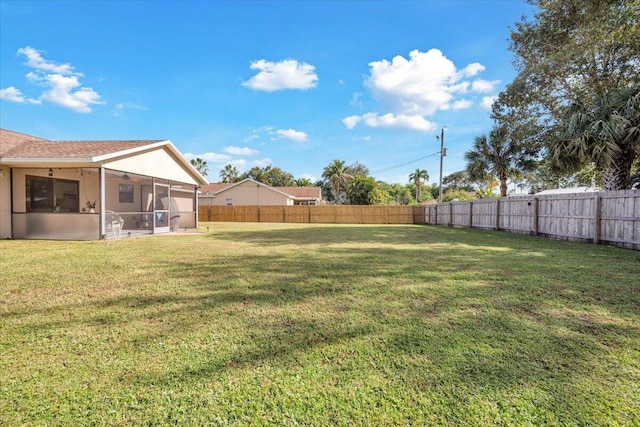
x=571, y=190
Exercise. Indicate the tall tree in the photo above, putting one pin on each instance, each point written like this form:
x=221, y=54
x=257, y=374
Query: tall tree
x=338, y=176
x=605, y=132
x=200, y=165
x=229, y=174
x=303, y=182
x=458, y=181
x=418, y=177
x=574, y=59
x=359, y=169
x=497, y=157
x=363, y=190
x=269, y=175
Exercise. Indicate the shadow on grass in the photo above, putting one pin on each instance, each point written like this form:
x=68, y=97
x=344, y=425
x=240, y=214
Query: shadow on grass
x=434, y=309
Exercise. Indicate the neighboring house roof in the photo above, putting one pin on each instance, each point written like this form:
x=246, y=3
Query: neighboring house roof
x=568, y=191
x=304, y=193
x=19, y=148
x=209, y=189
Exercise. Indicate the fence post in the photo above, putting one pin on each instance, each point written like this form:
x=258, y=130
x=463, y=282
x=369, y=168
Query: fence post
x=536, y=216
x=470, y=214
x=497, y=214
x=596, y=219
x=450, y=214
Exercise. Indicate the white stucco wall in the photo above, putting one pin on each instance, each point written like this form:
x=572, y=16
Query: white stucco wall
x=158, y=163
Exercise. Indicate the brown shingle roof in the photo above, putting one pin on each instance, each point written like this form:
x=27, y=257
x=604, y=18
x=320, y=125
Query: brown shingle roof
x=70, y=149
x=212, y=188
x=10, y=140
x=302, y=192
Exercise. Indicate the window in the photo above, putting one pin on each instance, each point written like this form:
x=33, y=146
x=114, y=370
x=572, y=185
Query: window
x=126, y=193
x=51, y=194
x=229, y=202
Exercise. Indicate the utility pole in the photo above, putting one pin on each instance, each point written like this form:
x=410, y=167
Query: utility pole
x=443, y=152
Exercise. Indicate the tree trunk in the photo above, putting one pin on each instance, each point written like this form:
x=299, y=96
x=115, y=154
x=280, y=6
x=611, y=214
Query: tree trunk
x=618, y=175
x=503, y=185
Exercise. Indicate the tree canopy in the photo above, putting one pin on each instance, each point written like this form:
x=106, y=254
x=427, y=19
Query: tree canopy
x=577, y=87
x=269, y=175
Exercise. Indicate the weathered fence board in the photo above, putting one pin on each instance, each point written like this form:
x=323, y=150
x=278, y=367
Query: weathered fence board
x=611, y=217
x=348, y=214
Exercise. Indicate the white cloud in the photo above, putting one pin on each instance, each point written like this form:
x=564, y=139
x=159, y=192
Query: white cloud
x=287, y=74
x=61, y=84
x=292, y=135
x=355, y=100
x=251, y=138
x=389, y=120
x=421, y=85
x=240, y=151
x=122, y=107
x=351, y=121
x=13, y=94
x=461, y=104
x=67, y=92
x=487, y=102
x=36, y=61
x=262, y=162
x=473, y=69
x=209, y=157
x=484, y=86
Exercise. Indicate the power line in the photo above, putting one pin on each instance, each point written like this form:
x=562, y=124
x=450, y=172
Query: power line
x=405, y=164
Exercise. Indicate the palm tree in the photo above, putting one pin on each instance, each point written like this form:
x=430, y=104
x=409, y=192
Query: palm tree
x=338, y=175
x=303, y=182
x=200, y=165
x=496, y=156
x=418, y=177
x=229, y=174
x=605, y=132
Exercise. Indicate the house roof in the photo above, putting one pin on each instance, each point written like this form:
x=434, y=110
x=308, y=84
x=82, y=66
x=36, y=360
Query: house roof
x=10, y=140
x=294, y=192
x=20, y=148
x=43, y=149
x=302, y=192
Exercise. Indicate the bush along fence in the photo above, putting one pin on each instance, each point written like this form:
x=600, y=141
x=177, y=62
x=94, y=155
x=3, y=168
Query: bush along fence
x=611, y=218
x=326, y=214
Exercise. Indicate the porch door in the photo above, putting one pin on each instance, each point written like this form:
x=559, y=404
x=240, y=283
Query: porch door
x=161, y=208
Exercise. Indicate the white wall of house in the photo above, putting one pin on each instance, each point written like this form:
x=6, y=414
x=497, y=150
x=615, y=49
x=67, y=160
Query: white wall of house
x=158, y=163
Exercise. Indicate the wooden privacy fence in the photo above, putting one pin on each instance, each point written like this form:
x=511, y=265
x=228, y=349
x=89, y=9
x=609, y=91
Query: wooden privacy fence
x=603, y=218
x=332, y=214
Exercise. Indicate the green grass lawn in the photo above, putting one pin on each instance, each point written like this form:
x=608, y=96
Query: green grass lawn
x=281, y=324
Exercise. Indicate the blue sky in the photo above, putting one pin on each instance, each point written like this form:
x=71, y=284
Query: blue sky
x=294, y=85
